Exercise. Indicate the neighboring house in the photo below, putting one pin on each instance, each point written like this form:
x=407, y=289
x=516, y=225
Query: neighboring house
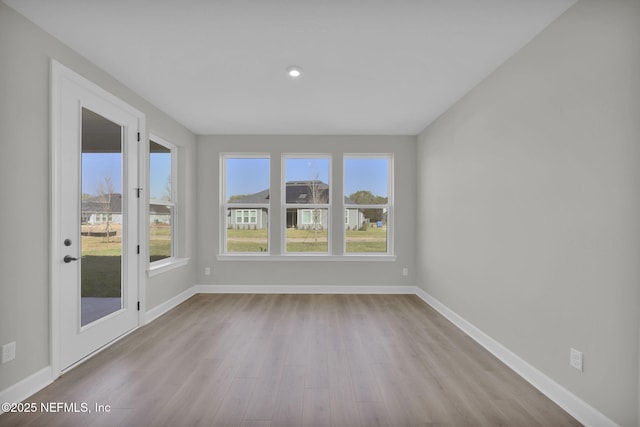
x=100, y=209
x=353, y=218
x=159, y=214
x=307, y=192
x=297, y=192
x=247, y=217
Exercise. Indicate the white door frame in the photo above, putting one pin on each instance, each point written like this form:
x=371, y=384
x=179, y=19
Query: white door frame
x=59, y=76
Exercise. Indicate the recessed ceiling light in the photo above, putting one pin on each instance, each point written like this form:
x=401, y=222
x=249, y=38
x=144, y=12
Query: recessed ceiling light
x=294, y=71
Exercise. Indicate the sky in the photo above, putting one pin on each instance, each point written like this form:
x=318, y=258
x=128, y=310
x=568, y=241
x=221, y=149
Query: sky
x=159, y=173
x=97, y=166
x=251, y=175
x=244, y=175
x=370, y=174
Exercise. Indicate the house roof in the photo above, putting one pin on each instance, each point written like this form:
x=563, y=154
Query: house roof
x=296, y=192
x=108, y=203
x=303, y=192
x=159, y=209
x=260, y=197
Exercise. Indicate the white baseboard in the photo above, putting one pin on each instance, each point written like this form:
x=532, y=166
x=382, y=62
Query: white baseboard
x=302, y=289
x=575, y=406
x=161, y=309
x=27, y=387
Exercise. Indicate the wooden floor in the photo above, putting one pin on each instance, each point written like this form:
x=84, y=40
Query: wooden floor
x=296, y=360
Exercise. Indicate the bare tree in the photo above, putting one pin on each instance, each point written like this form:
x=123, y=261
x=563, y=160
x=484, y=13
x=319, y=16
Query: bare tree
x=314, y=187
x=105, y=193
x=167, y=189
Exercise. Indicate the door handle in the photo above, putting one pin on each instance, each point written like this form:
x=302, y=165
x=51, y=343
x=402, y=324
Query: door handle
x=68, y=258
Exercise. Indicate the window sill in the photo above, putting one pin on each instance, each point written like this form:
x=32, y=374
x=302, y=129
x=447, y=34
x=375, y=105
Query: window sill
x=160, y=267
x=303, y=257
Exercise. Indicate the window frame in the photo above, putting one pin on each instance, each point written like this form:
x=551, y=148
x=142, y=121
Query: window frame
x=305, y=206
x=242, y=206
x=389, y=205
x=277, y=209
x=172, y=204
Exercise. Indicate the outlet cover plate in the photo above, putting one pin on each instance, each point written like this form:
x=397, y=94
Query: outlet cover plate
x=576, y=359
x=8, y=352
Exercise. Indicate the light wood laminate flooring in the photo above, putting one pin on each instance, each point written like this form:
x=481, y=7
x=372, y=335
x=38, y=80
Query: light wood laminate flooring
x=296, y=360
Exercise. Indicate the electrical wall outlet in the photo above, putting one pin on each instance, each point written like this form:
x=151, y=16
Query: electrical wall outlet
x=207, y=271
x=576, y=359
x=405, y=271
x=8, y=352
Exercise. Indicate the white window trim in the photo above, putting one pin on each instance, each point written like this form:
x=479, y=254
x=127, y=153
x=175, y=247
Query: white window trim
x=285, y=205
x=244, y=206
x=335, y=200
x=165, y=264
x=313, y=256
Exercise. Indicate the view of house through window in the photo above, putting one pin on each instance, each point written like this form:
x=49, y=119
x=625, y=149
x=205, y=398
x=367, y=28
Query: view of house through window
x=246, y=204
x=367, y=204
x=305, y=196
x=307, y=202
x=161, y=201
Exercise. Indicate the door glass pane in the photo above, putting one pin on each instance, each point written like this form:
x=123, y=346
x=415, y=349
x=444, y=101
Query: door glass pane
x=102, y=219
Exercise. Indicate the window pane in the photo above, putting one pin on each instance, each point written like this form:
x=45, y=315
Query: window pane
x=159, y=172
x=307, y=230
x=247, y=180
x=307, y=180
x=160, y=232
x=247, y=183
x=366, y=230
x=366, y=181
x=160, y=214
x=249, y=231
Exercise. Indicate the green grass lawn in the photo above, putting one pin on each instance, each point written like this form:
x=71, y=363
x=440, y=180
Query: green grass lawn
x=101, y=259
x=307, y=240
x=261, y=233
x=159, y=241
x=363, y=247
x=101, y=276
x=101, y=266
x=373, y=240
x=247, y=240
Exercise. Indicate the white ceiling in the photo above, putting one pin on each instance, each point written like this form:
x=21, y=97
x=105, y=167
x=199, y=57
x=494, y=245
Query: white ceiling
x=370, y=66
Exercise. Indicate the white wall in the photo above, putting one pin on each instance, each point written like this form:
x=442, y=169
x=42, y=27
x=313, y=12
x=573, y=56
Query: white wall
x=529, y=189
x=24, y=188
x=305, y=272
